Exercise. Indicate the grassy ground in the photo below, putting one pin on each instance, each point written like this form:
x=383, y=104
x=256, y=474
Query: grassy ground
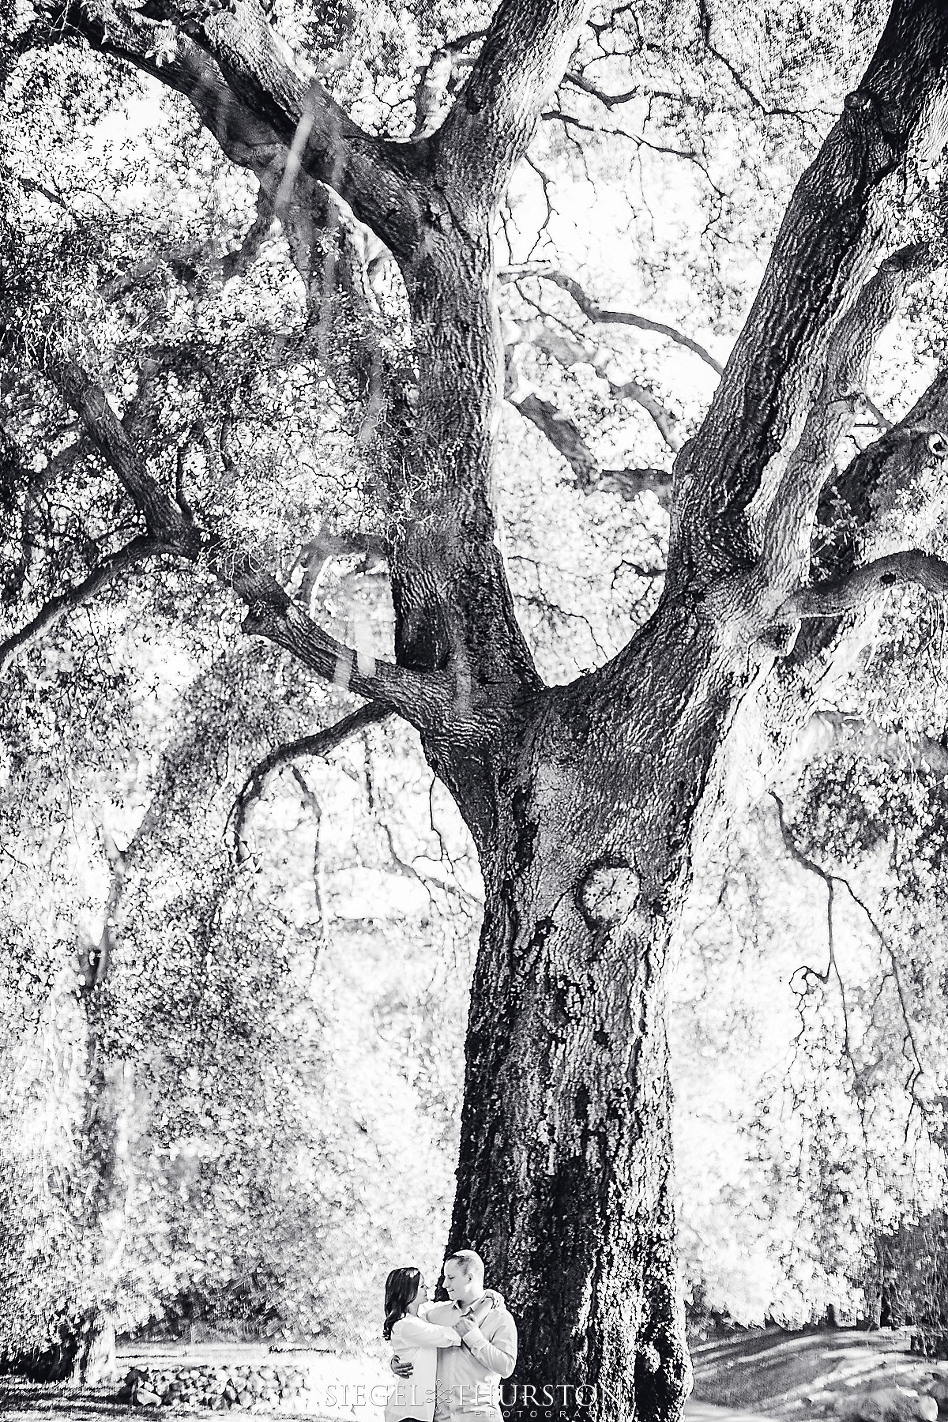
x=770, y=1374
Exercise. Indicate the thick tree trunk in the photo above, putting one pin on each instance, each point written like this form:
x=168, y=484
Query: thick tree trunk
x=565, y=1166
x=81, y=1349
x=565, y=1173
x=96, y=1361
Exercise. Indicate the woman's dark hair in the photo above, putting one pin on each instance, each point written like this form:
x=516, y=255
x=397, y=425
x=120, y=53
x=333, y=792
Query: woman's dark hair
x=401, y=1287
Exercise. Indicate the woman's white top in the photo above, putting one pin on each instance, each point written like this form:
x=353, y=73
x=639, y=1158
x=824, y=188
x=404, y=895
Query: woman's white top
x=417, y=1342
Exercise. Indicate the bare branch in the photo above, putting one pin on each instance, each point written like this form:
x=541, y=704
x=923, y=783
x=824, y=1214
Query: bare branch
x=318, y=743
x=609, y=101
x=164, y=517
x=629, y=483
x=564, y=436
x=664, y=422
x=601, y=315
x=704, y=15
x=139, y=550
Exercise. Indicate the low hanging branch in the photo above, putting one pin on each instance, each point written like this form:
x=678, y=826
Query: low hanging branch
x=317, y=743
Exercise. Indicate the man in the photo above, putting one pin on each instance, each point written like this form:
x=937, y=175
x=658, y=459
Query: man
x=468, y=1382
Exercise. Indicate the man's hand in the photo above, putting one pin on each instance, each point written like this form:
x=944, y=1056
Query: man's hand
x=400, y=1369
x=464, y=1324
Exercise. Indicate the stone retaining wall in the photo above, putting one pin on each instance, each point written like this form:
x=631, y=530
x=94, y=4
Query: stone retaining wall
x=221, y=1387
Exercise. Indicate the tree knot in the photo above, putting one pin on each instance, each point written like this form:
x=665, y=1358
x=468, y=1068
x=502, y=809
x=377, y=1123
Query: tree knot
x=780, y=636
x=608, y=892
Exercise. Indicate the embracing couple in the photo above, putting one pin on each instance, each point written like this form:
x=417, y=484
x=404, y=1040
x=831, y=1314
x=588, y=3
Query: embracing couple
x=449, y=1357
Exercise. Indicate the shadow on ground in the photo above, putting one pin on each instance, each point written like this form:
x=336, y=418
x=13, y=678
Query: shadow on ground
x=776, y=1372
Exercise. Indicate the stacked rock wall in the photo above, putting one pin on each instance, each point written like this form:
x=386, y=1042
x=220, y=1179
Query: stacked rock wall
x=221, y=1387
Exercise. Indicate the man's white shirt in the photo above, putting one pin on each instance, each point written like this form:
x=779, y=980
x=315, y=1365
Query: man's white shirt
x=469, y=1377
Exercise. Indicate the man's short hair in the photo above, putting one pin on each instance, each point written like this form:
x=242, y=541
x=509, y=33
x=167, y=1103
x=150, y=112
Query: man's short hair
x=467, y=1260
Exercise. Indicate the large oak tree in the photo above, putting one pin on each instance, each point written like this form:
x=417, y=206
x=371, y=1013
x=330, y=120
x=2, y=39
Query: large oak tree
x=585, y=800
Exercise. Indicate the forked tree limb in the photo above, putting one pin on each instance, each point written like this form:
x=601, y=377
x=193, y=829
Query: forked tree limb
x=786, y=533
x=835, y=229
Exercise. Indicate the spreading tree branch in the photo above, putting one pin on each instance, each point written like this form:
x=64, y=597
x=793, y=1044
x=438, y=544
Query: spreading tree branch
x=317, y=743
x=247, y=72
x=863, y=509
x=324, y=246
x=138, y=551
x=851, y=592
x=421, y=697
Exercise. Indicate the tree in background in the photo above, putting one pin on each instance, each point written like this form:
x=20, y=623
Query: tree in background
x=585, y=800
x=201, y=1127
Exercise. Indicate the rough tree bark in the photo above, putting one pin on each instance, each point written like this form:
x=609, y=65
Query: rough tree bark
x=583, y=800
